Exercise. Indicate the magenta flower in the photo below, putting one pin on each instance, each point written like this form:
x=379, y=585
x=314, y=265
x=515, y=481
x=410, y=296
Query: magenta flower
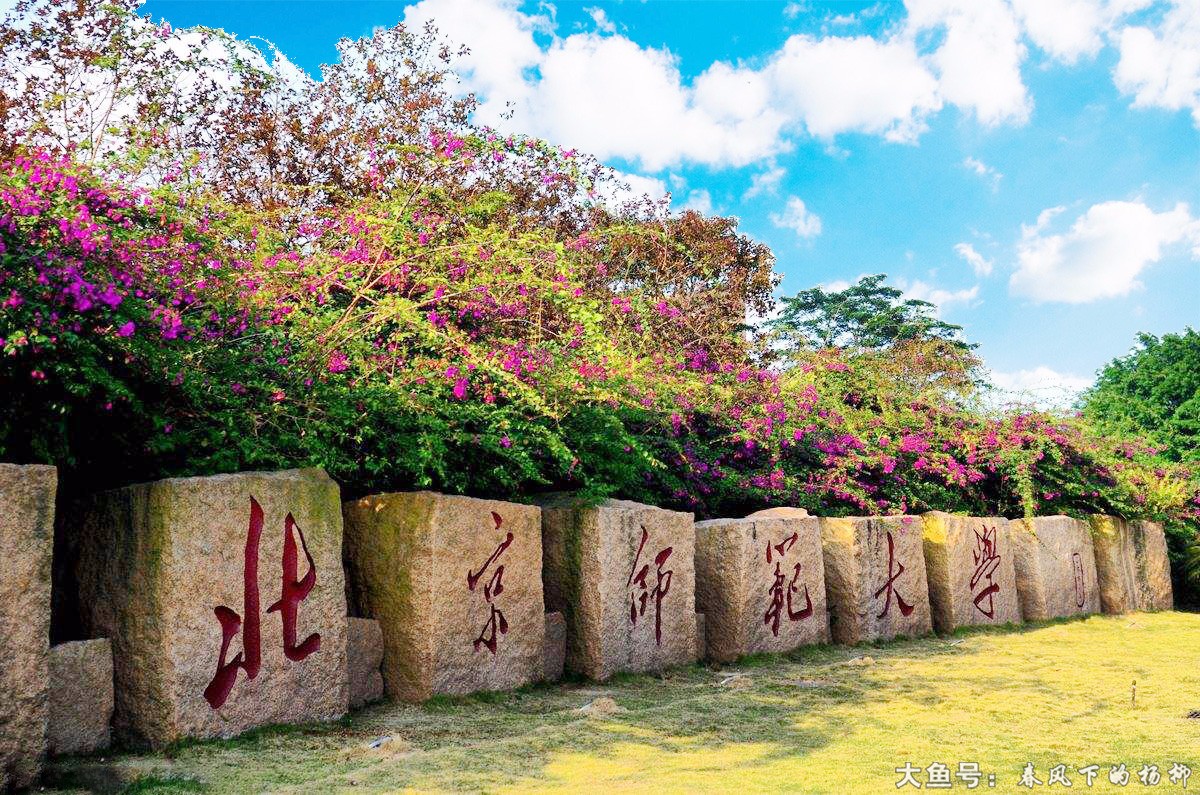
x=911, y=443
x=338, y=362
x=126, y=330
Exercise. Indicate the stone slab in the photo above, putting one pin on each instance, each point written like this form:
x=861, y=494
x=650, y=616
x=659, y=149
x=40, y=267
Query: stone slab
x=455, y=583
x=556, y=647
x=27, y=495
x=364, y=658
x=224, y=599
x=701, y=637
x=779, y=513
x=760, y=583
x=1055, y=567
x=81, y=696
x=969, y=565
x=875, y=578
x=1152, y=566
x=1116, y=572
x=622, y=575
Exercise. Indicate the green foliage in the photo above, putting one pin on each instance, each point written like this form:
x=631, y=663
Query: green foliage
x=867, y=315
x=1153, y=392
x=380, y=288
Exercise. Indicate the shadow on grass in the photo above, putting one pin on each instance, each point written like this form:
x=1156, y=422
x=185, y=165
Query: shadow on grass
x=488, y=741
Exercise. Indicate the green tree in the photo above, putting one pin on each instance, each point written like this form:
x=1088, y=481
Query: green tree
x=868, y=315
x=1153, y=391
x=882, y=331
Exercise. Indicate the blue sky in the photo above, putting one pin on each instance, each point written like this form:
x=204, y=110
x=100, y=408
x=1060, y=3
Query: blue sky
x=1030, y=166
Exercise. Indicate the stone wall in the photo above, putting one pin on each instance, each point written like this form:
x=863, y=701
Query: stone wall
x=1116, y=574
x=81, y=696
x=760, y=583
x=456, y=585
x=969, y=564
x=622, y=575
x=1055, y=567
x=224, y=601
x=221, y=602
x=26, y=539
x=875, y=578
x=1151, y=566
x=364, y=660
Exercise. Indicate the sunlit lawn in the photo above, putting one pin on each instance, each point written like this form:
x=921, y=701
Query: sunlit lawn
x=819, y=721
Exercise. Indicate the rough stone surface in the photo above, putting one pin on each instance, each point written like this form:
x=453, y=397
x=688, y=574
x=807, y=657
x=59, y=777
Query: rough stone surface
x=81, y=696
x=969, y=565
x=26, y=541
x=1055, y=567
x=875, y=578
x=172, y=570
x=779, y=513
x=701, y=637
x=1151, y=565
x=556, y=647
x=624, y=611
x=1116, y=570
x=760, y=583
x=456, y=584
x=364, y=658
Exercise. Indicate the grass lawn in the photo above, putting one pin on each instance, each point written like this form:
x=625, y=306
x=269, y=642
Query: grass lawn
x=827, y=720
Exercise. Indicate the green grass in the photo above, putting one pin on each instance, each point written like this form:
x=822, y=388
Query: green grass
x=815, y=721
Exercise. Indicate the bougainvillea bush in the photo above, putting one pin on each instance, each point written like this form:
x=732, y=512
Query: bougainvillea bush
x=348, y=273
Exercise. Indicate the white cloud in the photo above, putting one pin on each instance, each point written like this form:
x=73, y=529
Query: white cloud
x=921, y=291
x=603, y=23
x=836, y=286
x=984, y=170
x=604, y=93
x=1101, y=255
x=765, y=182
x=1068, y=30
x=700, y=201
x=1160, y=66
x=502, y=47
x=837, y=85
x=978, y=263
x=794, y=9
x=630, y=187
x=1065, y=29
x=978, y=62
x=1043, y=220
x=798, y=218
x=610, y=97
x=1040, y=386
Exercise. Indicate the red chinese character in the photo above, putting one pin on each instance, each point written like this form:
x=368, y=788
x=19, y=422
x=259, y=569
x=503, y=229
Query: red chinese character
x=1080, y=590
x=293, y=592
x=783, y=546
x=895, y=569
x=781, y=594
x=250, y=658
x=987, y=560
x=496, y=621
x=637, y=602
